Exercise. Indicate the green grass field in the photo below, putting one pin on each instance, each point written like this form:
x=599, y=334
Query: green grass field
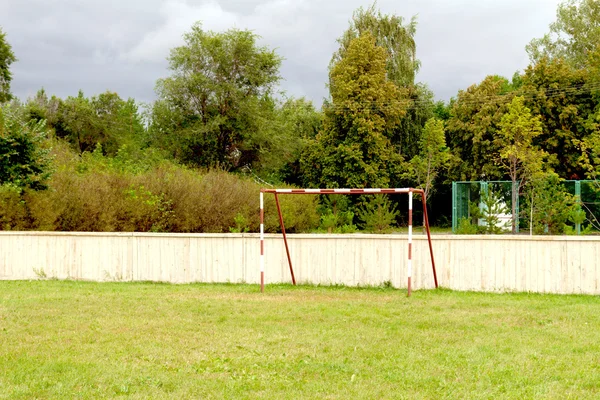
x=91, y=340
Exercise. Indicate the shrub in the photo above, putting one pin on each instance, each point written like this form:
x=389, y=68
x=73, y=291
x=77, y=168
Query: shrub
x=548, y=204
x=378, y=214
x=490, y=207
x=13, y=211
x=465, y=227
x=97, y=193
x=23, y=160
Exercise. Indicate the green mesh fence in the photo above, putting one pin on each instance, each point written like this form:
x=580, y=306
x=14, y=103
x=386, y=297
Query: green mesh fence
x=466, y=195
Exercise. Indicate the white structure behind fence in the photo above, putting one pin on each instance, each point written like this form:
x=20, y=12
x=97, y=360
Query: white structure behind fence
x=549, y=264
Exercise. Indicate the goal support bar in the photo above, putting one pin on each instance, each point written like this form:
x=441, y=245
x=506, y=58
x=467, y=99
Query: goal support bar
x=409, y=191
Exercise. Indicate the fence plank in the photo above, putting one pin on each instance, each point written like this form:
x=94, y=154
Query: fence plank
x=489, y=263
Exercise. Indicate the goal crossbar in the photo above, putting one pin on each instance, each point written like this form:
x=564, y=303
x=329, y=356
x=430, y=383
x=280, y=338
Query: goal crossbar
x=408, y=191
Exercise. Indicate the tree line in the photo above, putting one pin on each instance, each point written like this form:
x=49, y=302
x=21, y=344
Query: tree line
x=218, y=113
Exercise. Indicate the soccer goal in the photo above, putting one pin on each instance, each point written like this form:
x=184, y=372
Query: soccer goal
x=277, y=192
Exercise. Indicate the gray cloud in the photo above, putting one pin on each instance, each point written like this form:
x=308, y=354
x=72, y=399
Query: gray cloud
x=122, y=45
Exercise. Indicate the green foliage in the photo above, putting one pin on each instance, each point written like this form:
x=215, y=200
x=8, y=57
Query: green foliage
x=98, y=193
x=432, y=158
x=285, y=134
x=13, y=210
x=337, y=214
x=154, y=213
x=577, y=216
x=574, y=34
x=378, y=214
x=127, y=160
x=353, y=149
x=241, y=224
x=105, y=119
x=441, y=110
x=564, y=98
x=212, y=109
x=406, y=136
x=590, y=148
x=218, y=110
x=397, y=38
x=23, y=160
x=548, y=204
x=7, y=57
x=465, y=227
x=490, y=206
x=473, y=127
x=392, y=34
x=518, y=156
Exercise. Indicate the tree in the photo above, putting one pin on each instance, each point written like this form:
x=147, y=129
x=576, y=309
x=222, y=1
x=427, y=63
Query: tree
x=390, y=33
x=23, y=161
x=420, y=108
x=574, y=34
x=397, y=37
x=549, y=204
x=119, y=119
x=563, y=96
x=433, y=156
x=295, y=123
x=473, y=127
x=518, y=156
x=77, y=123
x=7, y=57
x=105, y=120
x=353, y=149
x=214, y=103
x=378, y=215
x=590, y=154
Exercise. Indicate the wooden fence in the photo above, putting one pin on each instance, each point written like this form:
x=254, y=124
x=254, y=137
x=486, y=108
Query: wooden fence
x=545, y=264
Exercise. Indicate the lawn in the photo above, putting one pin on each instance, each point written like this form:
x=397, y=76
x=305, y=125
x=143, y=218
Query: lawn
x=142, y=340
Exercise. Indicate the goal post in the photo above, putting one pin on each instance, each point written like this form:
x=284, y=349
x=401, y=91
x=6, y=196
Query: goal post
x=409, y=191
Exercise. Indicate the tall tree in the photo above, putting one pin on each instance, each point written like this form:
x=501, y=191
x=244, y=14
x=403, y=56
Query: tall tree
x=420, y=108
x=473, y=126
x=353, y=149
x=392, y=34
x=7, y=57
x=106, y=120
x=574, y=34
x=295, y=123
x=396, y=36
x=433, y=155
x=214, y=102
x=563, y=96
x=590, y=150
x=518, y=155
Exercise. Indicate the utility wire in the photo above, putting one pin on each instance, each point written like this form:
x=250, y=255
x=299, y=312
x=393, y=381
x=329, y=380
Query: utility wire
x=548, y=93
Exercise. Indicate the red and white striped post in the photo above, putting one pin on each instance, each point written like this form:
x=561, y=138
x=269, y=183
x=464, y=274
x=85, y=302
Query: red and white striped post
x=409, y=191
x=262, y=243
x=410, y=210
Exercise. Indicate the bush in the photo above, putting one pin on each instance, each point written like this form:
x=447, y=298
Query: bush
x=23, y=160
x=378, y=214
x=13, y=212
x=336, y=214
x=552, y=204
x=487, y=210
x=465, y=227
x=97, y=193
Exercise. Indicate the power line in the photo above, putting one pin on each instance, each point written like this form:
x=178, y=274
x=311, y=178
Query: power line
x=408, y=104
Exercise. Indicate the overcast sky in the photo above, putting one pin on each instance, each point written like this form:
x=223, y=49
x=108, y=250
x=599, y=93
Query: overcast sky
x=122, y=45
